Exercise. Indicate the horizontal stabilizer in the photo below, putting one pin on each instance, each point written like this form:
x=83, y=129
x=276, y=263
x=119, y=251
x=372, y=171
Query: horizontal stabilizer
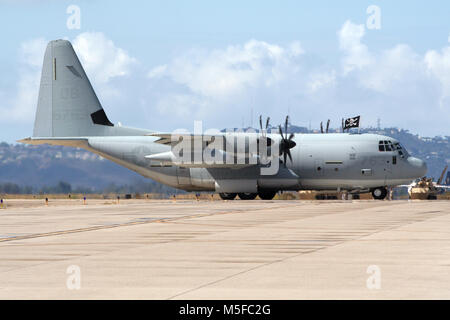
x=71, y=142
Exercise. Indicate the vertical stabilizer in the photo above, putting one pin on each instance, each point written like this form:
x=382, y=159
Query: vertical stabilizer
x=67, y=105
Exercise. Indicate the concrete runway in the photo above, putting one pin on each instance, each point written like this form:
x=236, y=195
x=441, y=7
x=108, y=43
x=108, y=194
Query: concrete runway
x=159, y=249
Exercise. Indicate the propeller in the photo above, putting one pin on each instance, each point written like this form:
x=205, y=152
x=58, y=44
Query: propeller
x=286, y=143
x=264, y=135
x=263, y=132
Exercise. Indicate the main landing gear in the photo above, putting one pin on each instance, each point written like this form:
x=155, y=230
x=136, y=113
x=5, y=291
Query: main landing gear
x=267, y=195
x=379, y=193
x=264, y=195
x=247, y=196
x=227, y=196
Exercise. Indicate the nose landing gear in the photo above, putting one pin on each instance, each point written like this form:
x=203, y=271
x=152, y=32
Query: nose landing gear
x=379, y=193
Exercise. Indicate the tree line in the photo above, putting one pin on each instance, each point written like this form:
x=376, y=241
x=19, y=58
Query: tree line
x=63, y=187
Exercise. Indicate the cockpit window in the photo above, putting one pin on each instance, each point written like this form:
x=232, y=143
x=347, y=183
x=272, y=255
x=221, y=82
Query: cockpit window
x=387, y=145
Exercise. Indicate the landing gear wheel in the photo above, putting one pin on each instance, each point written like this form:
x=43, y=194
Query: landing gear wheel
x=379, y=193
x=267, y=195
x=227, y=196
x=247, y=196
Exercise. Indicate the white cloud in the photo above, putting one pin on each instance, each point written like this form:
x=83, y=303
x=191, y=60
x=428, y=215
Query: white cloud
x=382, y=72
x=398, y=81
x=356, y=54
x=230, y=71
x=438, y=66
x=319, y=80
x=157, y=72
x=20, y=107
x=101, y=59
x=32, y=52
x=222, y=82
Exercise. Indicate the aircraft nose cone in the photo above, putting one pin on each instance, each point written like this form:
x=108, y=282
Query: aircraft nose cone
x=419, y=167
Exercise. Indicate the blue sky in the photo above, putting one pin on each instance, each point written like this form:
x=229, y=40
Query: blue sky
x=162, y=65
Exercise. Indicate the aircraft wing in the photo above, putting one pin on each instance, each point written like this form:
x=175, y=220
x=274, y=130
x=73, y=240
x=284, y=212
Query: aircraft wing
x=229, y=138
x=222, y=147
x=166, y=138
x=78, y=142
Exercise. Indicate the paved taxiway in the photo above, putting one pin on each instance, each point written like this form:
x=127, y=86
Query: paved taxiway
x=156, y=249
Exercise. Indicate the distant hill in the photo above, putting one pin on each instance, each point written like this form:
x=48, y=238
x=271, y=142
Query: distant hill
x=42, y=167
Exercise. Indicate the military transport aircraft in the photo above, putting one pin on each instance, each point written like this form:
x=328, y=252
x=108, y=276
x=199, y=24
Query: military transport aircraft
x=70, y=114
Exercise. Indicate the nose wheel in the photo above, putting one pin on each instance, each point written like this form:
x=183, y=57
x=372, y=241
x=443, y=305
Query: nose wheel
x=379, y=193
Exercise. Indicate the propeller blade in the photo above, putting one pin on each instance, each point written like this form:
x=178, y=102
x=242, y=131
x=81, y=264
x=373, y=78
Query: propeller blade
x=291, y=136
x=260, y=122
x=286, y=125
x=280, y=131
x=267, y=122
x=284, y=158
x=288, y=151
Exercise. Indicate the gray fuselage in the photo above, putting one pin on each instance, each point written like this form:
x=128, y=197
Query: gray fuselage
x=319, y=162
